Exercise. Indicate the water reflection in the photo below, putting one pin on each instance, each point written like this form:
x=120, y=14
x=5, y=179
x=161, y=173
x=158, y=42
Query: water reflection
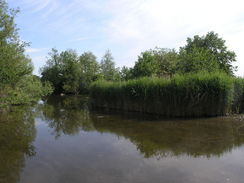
x=17, y=132
x=83, y=146
x=160, y=138
x=66, y=115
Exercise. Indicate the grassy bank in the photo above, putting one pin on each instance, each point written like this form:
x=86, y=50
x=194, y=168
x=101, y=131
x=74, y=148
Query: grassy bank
x=194, y=95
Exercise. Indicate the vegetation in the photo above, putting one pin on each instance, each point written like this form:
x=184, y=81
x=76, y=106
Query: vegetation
x=195, y=81
x=108, y=70
x=17, y=84
x=73, y=74
x=159, y=62
x=208, y=53
x=192, y=95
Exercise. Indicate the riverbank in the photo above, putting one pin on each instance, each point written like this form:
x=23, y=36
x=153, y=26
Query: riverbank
x=195, y=95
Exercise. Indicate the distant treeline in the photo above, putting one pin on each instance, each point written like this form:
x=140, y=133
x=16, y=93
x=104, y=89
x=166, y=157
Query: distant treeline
x=192, y=95
x=71, y=73
x=17, y=84
x=198, y=80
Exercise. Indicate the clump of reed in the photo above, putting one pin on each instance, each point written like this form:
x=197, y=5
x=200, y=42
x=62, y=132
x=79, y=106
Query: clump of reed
x=192, y=95
x=238, y=96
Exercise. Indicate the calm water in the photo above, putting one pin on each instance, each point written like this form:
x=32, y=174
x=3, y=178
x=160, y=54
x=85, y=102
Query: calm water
x=61, y=141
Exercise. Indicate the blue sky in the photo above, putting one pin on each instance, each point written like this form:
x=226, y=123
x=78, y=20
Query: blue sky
x=126, y=27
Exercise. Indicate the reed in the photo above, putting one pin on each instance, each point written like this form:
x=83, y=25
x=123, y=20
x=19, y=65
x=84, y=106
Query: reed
x=195, y=95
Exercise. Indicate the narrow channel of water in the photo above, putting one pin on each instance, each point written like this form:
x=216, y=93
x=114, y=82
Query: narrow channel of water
x=62, y=141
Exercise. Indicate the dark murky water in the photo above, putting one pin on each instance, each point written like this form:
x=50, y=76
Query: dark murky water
x=61, y=141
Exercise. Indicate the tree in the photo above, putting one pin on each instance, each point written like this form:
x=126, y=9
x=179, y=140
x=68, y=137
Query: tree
x=52, y=71
x=202, y=53
x=159, y=62
x=15, y=66
x=13, y=62
x=89, y=69
x=146, y=65
x=108, y=70
x=71, y=71
x=125, y=73
x=63, y=71
x=198, y=59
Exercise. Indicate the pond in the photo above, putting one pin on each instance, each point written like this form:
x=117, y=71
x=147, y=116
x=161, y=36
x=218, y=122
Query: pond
x=61, y=141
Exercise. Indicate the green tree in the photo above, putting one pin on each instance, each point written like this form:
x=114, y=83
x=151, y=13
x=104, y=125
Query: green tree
x=89, y=69
x=15, y=66
x=125, y=73
x=146, y=65
x=53, y=72
x=208, y=52
x=13, y=62
x=198, y=59
x=71, y=71
x=63, y=71
x=108, y=69
x=159, y=62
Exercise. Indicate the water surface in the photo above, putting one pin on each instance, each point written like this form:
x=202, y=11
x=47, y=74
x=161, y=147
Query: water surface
x=62, y=141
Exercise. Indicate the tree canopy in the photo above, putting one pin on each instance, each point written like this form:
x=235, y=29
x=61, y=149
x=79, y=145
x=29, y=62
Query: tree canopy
x=156, y=62
x=108, y=70
x=17, y=84
x=71, y=73
x=207, y=52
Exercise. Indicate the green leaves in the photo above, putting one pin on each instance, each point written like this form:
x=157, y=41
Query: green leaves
x=159, y=62
x=70, y=73
x=108, y=70
x=208, y=53
x=17, y=84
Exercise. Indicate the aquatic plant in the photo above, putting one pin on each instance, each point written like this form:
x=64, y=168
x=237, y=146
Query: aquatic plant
x=190, y=95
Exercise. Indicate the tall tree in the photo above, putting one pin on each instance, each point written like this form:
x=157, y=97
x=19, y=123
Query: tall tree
x=206, y=51
x=17, y=85
x=13, y=62
x=159, y=62
x=53, y=72
x=63, y=71
x=89, y=69
x=108, y=69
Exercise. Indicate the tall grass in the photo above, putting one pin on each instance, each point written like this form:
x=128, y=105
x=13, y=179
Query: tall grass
x=238, y=97
x=194, y=95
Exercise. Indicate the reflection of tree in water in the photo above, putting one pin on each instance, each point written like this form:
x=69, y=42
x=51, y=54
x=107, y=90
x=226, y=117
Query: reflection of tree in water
x=66, y=115
x=208, y=137
x=17, y=132
x=200, y=137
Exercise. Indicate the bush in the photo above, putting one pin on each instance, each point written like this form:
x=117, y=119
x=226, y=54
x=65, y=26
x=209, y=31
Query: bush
x=29, y=89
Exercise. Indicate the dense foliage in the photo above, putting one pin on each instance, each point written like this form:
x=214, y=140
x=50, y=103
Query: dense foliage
x=191, y=95
x=17, y=84
x=73, y=74
x=209, y=53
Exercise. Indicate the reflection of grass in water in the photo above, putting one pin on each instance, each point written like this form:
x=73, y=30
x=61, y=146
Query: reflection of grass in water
x=17, y=132
x=200, y=137
x=209, y=137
